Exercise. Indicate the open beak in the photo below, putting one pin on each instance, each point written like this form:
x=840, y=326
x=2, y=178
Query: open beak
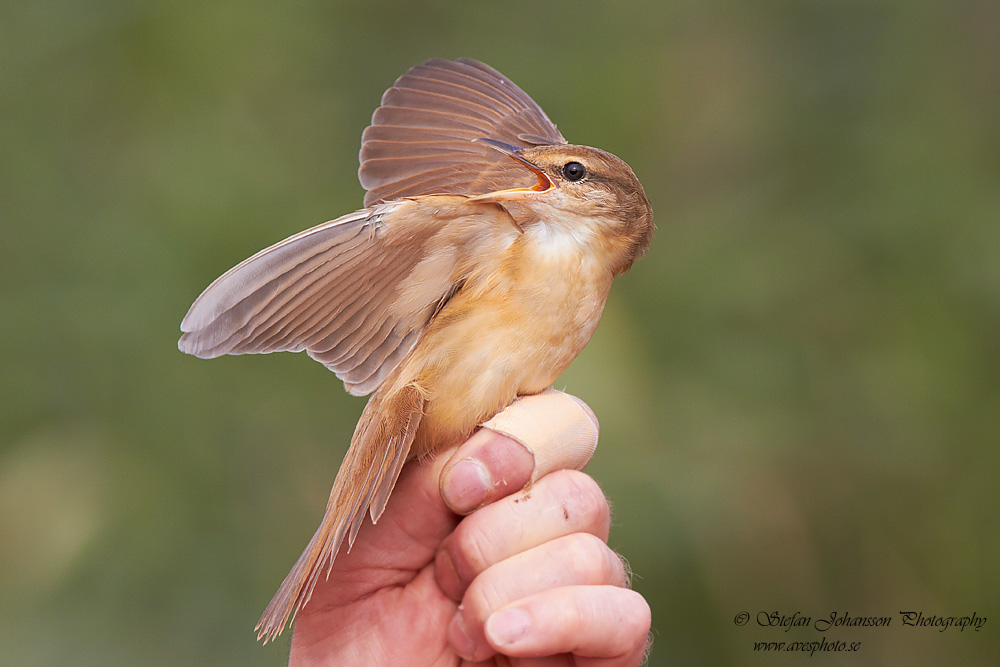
x=544, y=182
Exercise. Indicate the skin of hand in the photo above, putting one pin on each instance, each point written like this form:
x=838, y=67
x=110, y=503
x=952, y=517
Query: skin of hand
x=524, y=577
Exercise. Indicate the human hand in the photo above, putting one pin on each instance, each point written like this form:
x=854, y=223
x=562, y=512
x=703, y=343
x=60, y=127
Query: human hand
x=525, y=575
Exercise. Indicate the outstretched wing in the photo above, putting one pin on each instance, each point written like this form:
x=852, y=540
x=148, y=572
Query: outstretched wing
x=336, y=290
x=420, y=140
x=340, y=290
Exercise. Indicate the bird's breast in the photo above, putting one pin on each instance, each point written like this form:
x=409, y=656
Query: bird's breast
x=511, y=330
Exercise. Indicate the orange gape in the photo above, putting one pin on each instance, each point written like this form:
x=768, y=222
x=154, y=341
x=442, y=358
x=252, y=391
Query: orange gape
x=476, y=274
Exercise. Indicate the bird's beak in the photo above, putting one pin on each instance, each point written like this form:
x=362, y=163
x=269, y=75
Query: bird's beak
x=544, y=182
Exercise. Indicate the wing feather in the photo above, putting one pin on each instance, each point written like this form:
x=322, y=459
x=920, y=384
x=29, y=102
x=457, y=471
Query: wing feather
x=337, y=291
x=303, y=298
x=420, y=140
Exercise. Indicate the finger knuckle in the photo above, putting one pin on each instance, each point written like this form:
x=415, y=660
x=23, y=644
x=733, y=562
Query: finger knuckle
x=595, y=562
x=637, y=617
x=482, y=598
x=472, y=550
x=583, y=501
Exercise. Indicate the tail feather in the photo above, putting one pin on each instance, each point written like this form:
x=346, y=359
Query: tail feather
x=378, y=450
x=387, y=480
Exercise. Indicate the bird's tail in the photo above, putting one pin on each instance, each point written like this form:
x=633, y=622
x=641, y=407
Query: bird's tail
x=379, y=448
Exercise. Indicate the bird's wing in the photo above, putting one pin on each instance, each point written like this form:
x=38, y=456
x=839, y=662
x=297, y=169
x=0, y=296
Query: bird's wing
x=355, y=293
x=421, y=138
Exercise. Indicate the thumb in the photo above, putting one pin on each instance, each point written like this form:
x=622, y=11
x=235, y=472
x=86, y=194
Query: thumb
x=532, y=437
x=559, y=429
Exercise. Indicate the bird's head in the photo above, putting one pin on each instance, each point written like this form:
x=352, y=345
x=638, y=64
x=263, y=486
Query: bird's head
x=578, y=184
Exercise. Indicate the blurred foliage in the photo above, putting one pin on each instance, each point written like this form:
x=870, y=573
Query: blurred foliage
x=799, y=386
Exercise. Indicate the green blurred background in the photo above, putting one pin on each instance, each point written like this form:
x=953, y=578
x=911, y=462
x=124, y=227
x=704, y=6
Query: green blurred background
x=799, y=386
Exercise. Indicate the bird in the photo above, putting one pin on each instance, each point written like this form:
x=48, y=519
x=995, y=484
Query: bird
x=477, y=270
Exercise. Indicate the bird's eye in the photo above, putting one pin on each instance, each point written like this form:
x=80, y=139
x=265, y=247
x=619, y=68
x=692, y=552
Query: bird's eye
x=574, y=171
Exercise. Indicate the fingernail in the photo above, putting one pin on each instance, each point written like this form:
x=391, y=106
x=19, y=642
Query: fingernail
x=465, y=486
x=459, y=638
x=506, y=627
